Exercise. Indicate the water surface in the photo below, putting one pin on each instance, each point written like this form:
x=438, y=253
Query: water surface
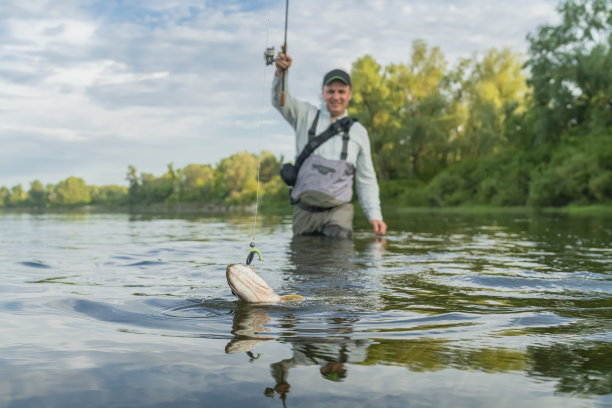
x=450, y=310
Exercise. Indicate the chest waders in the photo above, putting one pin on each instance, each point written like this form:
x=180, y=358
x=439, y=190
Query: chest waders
x=324, y=188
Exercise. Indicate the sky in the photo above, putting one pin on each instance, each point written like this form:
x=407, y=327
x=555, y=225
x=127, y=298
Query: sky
x=88, y=88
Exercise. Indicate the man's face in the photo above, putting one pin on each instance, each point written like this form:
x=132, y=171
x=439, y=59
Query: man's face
x=337, y=96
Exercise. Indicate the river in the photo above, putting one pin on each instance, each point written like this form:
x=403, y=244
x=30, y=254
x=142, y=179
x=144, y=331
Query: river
x=450, y=309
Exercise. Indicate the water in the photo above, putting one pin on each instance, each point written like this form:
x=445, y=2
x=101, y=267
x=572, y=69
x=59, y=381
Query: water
x=451, y=310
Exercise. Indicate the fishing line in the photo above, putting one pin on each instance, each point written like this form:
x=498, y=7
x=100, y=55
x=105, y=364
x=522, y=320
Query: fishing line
x=263, y=88
x=269, y=57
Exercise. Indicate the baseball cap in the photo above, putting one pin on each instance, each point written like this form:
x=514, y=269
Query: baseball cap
x=337, y=74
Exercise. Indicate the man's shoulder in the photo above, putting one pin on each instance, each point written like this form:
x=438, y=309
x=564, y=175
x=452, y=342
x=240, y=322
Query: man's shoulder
x=359, y=129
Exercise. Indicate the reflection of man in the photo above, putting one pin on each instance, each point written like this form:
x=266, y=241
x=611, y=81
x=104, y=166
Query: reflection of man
x=330, y=356
x=324, y=185
x=333, y=371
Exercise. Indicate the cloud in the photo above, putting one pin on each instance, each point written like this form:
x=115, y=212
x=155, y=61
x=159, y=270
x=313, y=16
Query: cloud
x=90, y=87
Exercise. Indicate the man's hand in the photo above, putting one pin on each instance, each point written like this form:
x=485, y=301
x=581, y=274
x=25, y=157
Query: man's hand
x=380, y=228
x=283, y=62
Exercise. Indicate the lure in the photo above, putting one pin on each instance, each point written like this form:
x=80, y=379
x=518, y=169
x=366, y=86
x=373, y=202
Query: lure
x=252, y=253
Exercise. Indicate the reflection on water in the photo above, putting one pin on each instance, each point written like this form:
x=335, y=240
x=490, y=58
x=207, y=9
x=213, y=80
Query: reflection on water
x=247, y=327
x=328, y=354
x=449, y=309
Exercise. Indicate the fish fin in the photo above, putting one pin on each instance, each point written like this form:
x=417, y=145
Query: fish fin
x=291, y=298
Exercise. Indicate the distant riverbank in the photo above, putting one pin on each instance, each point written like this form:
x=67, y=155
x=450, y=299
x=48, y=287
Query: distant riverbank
x=282, y=208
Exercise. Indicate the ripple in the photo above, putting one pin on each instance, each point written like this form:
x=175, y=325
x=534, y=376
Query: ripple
x=147, y=263
x=34, y=264
x=195, y=309
x=183, y=318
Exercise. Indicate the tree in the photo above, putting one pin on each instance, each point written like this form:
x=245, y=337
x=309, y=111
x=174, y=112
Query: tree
x=37, y=194
x=72, y=191
x=492, y=93
x=198, y=182
x=374, y=105
x=270, y=167
x=17, y=196
x=4, y=196
x=405, y=111
x=426, y=116
x=109, y=195
x=237, y=178
x=571, y=70
x=134, y=185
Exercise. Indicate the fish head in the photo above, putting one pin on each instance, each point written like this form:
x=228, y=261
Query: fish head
x=249, y=286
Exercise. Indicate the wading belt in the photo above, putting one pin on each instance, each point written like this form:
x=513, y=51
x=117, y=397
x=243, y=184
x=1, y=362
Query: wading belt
x=313, y=208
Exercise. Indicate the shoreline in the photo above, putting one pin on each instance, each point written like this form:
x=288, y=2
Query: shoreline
x=278, y=208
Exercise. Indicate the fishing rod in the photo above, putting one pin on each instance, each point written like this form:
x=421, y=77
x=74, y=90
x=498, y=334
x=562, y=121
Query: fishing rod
x=269, y=55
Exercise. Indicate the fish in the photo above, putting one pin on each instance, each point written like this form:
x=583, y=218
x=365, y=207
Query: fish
x=250, y=287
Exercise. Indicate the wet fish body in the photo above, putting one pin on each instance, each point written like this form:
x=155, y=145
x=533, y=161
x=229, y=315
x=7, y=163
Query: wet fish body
x=250, y=287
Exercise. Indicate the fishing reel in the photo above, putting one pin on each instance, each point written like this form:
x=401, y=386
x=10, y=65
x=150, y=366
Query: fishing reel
x=269, y=56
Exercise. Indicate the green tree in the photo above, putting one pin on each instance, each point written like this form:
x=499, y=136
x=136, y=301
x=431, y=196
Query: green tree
x=270, y=167
x=493, y=91
x=4, y=196
x=37, y=194
x=571, y=66
x=72, y=191
x=173, y=178
x=198, y=182
x=406, y=111
x=237, y=178
x=17, y=196
x=374, y=105
x=156, y=190
x=427, y=118
x=133, y=185
x=51, y=194
x=109, y=195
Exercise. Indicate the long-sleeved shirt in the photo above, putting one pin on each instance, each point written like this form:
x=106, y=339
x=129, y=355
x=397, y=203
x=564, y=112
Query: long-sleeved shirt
x=300, y=116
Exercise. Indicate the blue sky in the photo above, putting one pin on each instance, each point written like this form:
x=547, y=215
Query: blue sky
x=90, y=87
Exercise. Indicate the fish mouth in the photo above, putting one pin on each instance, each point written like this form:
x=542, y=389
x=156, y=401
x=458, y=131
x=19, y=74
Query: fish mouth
x=230, y=273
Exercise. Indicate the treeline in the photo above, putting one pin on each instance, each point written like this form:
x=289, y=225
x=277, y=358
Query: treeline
x=72, y=192
x=232, y=182
x=501, y=129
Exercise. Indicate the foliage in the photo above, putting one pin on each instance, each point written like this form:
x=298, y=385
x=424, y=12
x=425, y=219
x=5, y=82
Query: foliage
x=110, y=195
x=233, y=181
x=492, y=91
x=570, y=65
x=489, y=132
x=423, y=117
x=72, y=191
x=579, y=172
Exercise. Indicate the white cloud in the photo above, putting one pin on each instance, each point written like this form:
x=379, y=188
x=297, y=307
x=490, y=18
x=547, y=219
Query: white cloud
x=40, y=33
x=98, y=73
x=55, y=134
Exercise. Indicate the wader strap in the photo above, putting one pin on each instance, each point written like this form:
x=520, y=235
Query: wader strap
x=313, y=129
x=340, y=125
x=345, y=140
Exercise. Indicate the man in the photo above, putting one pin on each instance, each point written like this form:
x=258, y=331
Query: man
x=323, y=189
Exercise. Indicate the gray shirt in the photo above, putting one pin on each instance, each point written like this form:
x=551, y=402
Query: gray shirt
x=300, y=116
